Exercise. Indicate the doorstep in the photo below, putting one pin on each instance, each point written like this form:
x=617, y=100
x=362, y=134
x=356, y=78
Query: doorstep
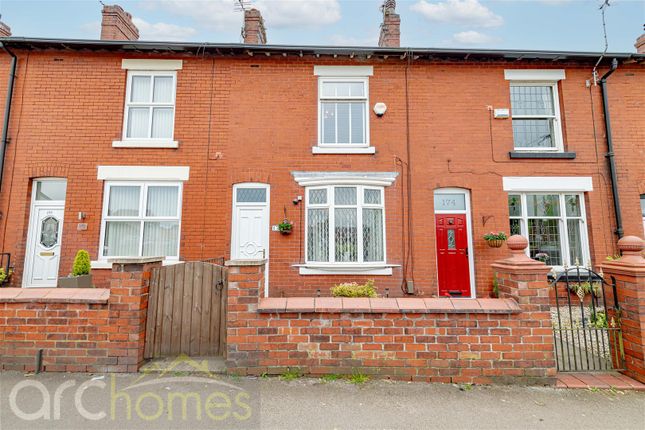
x=598, y=380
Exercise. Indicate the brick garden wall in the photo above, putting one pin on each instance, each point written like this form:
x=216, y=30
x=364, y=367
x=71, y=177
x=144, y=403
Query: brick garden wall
x=79, y=330
x=439, y=340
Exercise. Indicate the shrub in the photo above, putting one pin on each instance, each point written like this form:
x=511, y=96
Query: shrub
x=353, y=289
x=81, y=263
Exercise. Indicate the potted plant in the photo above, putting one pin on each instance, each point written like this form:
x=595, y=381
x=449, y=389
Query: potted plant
x=495, y=240
x=80, y=276
x=285, y=227
x=5, y=275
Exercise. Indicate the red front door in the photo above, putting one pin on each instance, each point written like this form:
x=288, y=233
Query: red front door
x=452, y=255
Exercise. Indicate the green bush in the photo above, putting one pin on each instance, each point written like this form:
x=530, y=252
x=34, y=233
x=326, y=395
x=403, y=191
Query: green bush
x=352, y=289
x=81, y=263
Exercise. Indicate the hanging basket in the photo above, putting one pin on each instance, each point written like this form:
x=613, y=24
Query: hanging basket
x=495, y=243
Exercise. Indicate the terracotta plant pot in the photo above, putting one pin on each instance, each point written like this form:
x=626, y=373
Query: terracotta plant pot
x=83, y=281
x=495, y=243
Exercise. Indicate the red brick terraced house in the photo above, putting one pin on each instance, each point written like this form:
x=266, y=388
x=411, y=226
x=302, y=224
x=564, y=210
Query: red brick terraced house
x=390, y=163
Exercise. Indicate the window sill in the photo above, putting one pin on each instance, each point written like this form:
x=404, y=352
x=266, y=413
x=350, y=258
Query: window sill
x=335, y=269
x=145, y=143
x=542, y=155
x=106, y=264
x=342, y=150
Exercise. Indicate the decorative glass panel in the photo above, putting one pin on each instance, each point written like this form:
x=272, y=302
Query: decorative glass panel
x=318, y=235
x=572, y=204
x=452, y=243
x=318, y=196
x=543, y=205
x=447, y=202
x=514, y=205
x=123, y=201
x=49, y=232
x=346, y=235
x=575, y=242
x=162, y=201
x=140, y=90
x=515, y=226
x=163, y=89
x=532, y=100
x=372, y=197
x=251, y=195
x=160, y=239
x=122, y=238
x=373, y=234
x=138, y=118
x=345, y=195
x=533, y=133
x=51, y=190
x=544, y=237
x=162, y=122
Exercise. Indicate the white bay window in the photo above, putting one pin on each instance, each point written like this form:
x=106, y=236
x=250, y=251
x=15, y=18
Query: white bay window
x=141, y=219
x=555, y=225
x=345, y=225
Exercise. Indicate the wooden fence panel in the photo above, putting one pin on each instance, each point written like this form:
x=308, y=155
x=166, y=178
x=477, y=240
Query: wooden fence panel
x=186, y=310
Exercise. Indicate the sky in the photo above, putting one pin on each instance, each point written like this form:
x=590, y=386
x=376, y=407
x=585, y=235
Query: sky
x=562, y=25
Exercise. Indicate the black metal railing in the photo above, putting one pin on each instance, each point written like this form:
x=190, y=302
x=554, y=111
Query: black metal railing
x=586, y=321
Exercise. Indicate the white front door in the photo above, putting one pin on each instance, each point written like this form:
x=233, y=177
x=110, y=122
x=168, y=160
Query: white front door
x=250, y=233
x=45, y=234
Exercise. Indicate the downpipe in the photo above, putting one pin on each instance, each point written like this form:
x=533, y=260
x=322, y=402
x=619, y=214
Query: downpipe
x=610, y=148
x=7, y=110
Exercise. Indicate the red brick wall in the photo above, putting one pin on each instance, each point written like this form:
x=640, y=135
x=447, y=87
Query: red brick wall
x=437, y=347
x=255, y=119
x=80, y=337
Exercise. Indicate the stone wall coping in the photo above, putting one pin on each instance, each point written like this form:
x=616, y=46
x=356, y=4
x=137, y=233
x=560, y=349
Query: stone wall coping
x=387, y=305
x=54, y=295
x=137, y=260
x=245, y=262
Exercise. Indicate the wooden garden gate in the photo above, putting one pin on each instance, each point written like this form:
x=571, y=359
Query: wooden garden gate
x=186, y=311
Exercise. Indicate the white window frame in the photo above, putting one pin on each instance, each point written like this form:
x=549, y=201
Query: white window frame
x=344, y=148
x=148, y=142
x=564, y=228
x=141, y=218
x=557, y=123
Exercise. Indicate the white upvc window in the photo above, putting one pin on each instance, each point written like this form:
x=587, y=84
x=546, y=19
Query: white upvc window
x=343, y=112
x=555, y=225
x=141, y=219
x=535, y=113
x=345, y=225
x=149, y=106
x=643, y=210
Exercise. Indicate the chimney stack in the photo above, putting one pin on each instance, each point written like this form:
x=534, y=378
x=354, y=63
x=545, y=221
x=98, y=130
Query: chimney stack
x=117, y=24
x=640, y=44
x=5, y=30
x=390, y=36
x=254, y=32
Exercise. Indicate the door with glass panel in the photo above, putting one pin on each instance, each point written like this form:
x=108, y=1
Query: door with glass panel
x=453, y=242
x=43, y=251
x=250, y=232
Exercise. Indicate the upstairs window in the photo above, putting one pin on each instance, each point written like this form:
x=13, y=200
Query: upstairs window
x=343, y=111
x=150, y=106
x=535, y=109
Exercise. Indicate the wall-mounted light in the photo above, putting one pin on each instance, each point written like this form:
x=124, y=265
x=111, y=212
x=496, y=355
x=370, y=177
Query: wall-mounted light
x=379, y=109
x=81, y=216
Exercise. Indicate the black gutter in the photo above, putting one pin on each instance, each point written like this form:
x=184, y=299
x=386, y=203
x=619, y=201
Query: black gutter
x=610, y=148
x=179, y=47
x=7, y=111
